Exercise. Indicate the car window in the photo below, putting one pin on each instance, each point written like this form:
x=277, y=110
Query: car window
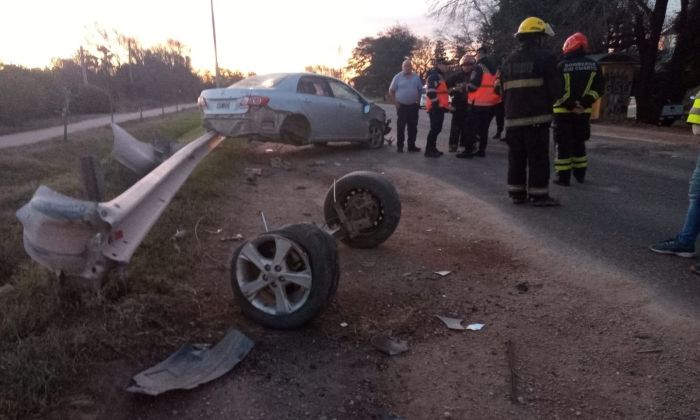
x=313, y=86
x=262, y=81
x=342, y=91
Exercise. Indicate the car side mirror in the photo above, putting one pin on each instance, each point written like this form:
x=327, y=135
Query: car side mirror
x=365, y=109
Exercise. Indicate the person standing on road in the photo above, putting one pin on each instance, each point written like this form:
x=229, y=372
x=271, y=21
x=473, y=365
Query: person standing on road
x=437, y=103
x=530, y=84
x=482, y=99
x=582, y=82
x=405, y=91
x=457, y=85
x=683, y=244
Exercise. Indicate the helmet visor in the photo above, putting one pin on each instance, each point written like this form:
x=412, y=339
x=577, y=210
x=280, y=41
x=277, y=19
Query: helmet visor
x=548, y=29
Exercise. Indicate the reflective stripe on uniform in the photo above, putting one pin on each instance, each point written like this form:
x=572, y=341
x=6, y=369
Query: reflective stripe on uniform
x=538, y=191
x=516, y=188
x=537, y=119
x=523, y=83
x=562, y=110
x=579, y=162
x=694, y=115
x=562, y=165
x=567, y=92
x=588, y=90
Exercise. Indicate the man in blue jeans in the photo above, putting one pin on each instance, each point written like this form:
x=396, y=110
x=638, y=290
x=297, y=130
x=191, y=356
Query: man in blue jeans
x=683, y=244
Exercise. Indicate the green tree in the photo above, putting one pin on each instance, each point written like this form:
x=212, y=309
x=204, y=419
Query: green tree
x=439, y=52
x=375, y=61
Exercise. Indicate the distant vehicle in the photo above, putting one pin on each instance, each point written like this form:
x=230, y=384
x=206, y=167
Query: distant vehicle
x=294, y=108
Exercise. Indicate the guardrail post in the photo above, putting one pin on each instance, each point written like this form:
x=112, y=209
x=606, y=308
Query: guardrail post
x=93, y=178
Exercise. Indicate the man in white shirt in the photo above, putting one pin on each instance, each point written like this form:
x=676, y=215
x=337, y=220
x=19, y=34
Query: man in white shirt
x=405, y=91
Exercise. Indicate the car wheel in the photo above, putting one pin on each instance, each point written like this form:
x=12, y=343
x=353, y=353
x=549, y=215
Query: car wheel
x=295, y=130
x=369, y=202
x=376, y=135
x=283, y=279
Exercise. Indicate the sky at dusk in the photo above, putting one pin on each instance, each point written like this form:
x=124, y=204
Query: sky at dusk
x=261, y=36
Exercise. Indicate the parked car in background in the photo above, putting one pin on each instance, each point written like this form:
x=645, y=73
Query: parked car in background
x=294, y=108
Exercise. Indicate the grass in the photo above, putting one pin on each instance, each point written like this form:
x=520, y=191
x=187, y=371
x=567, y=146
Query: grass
x=45, y=339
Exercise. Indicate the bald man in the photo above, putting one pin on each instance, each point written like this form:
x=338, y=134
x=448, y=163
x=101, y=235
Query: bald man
x=405, y=91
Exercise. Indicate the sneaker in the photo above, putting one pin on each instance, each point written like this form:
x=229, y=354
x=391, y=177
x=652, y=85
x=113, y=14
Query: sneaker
x=465, y=155
x=433, y=154
x=695, y=268
x=543, y=201
x=672, y=247
x=413, y=149
x=580, y=178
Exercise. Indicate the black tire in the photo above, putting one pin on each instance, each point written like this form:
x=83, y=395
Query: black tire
x=312, y=252
x=376, y=135
x=382, y=206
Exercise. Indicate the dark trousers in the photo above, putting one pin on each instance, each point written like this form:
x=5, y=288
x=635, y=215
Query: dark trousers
x=407, y=119
x=570, y=135
x=458, y=126
x=480, y=120
x=500, y=113
x=528, y=160
x=437, y=117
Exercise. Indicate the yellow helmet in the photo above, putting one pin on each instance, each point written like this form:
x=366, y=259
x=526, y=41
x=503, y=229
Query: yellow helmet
x=534, y=25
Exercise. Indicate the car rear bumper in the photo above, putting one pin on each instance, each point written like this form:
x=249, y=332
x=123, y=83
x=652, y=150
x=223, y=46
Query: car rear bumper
x=263, y=122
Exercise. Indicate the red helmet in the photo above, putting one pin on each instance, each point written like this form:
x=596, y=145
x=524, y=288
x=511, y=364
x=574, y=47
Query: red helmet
x=574, y=42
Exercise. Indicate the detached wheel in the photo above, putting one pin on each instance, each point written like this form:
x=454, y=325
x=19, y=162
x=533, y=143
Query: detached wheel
x=370, y=204
x=283, y=279
x=376, y=135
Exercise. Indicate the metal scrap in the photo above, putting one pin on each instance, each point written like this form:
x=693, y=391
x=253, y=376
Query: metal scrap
x=456, y=324
x=193, y=365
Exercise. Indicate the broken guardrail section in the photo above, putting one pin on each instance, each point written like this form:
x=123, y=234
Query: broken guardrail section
x=84, y=239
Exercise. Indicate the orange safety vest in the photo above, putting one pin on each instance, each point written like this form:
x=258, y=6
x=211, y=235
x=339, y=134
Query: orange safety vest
x=485, y=95
x=442, y=96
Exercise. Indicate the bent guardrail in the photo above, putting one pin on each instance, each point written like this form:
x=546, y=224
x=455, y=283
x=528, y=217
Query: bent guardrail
x=84, y=239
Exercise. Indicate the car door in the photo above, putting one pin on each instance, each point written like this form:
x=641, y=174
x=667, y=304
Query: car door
x=351, y=121
x=318, y=105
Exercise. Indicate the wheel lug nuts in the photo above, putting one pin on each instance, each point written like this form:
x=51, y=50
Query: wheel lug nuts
x=265, y=277
x=281, y=279
x=278, y=268
x=267, y=267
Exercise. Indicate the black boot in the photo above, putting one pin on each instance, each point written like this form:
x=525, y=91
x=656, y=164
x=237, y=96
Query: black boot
x=580, y=175
x=563, y=178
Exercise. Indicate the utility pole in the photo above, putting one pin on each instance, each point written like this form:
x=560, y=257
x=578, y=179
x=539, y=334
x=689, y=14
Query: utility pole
x=82, y=66
x=216, y=55
x=131, y=73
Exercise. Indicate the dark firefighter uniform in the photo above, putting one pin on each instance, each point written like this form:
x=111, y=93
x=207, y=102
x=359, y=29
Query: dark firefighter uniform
x=530, y=84
x=457, y=85
x=438, y=102
x=583, y=84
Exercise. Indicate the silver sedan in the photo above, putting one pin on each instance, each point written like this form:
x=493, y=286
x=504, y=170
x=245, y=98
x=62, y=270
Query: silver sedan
x=294, y=108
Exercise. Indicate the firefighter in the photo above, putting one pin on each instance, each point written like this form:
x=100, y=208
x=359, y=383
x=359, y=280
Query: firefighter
x=482, y=98
x=457, y=85
x=530, y=84
x=582, y=83
x=437, y=103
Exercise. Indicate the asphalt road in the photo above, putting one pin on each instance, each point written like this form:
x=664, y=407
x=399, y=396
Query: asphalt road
x=635, y=194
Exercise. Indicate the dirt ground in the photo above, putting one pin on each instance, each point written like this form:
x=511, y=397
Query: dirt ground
x=586, y=341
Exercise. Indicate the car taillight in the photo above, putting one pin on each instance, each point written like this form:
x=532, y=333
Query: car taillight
x=255, y=101
x=202, y=103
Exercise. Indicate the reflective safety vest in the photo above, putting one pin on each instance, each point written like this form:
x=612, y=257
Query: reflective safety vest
x=486, y=94
x=694, y=115
x=443, y=97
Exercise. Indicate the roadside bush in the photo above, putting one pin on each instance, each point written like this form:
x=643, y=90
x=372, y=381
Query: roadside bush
x=26, y=94
x=90, y=100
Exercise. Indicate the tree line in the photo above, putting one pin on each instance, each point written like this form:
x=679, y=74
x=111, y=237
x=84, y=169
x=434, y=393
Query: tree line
x=634, y=27
x=117, y=73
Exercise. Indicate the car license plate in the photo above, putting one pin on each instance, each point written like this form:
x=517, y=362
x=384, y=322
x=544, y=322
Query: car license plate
x=223, y=105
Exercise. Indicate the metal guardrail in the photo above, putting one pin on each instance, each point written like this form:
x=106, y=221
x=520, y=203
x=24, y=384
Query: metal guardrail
x=84, y=239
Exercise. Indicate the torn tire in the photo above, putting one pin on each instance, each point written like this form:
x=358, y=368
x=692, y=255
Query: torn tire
x=284, y=278
x=370, y=205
